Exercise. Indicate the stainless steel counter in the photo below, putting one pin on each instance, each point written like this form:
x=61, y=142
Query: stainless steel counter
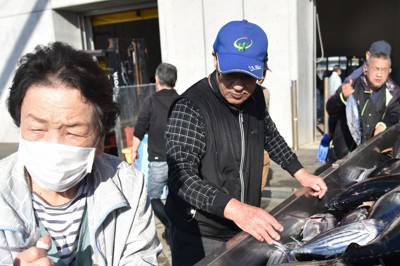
x=243, y=249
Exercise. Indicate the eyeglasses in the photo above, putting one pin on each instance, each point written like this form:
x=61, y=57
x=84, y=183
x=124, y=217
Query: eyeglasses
x=383, y=70
x=233, y=77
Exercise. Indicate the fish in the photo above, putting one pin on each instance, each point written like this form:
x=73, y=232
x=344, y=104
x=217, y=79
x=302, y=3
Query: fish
x=365, y=174
x=384, y=250
x=281, y=254
x=389, y=167
x=368, y=190
x=356, y=215
x=396, y=149
x=387, y=207
x=353, y=119
x=332, y=243
x=317, y=224
x=354, y=174
x=292, y=222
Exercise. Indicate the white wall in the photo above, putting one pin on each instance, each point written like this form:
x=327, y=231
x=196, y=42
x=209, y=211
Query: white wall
x=188, y=29
x=25, y=24
x=28, y=24
x=305, y=85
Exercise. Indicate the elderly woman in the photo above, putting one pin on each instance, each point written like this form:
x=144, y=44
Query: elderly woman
x=90, y=208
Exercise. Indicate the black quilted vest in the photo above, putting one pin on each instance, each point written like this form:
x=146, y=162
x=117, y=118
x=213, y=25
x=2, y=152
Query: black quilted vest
x=220, y=166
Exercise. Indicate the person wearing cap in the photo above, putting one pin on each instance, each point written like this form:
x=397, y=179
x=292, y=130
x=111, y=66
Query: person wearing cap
x=377, y=107
x=326, y=153
x=216, y=136
x=380, y=46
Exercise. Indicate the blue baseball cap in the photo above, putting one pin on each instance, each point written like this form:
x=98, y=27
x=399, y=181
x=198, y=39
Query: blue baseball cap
x=381, y=47
x=241, y=46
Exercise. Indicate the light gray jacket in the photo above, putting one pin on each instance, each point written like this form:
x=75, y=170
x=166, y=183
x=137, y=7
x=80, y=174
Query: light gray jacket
x=120, y=219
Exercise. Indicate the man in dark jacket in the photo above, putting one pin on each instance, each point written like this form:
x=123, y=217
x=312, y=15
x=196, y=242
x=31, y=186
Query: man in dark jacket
x=378, y=106
x=216, y=136
x=153, y=120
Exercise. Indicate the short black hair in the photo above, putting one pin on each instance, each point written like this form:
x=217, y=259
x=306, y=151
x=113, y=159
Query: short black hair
x=59, y=63
x=167, y=74
x=336, y=68
x=379, y=55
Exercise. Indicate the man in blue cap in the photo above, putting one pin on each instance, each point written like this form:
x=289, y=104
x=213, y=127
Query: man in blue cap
x=216, y=136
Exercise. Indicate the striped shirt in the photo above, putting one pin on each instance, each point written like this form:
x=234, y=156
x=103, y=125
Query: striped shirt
x=63, y=222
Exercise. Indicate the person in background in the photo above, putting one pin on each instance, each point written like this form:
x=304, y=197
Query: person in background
x=216, y=136
x=324, y=148
x=334, y=80
x=380, y=46
x=378, y=106
x=152, y=119
x=89, y=207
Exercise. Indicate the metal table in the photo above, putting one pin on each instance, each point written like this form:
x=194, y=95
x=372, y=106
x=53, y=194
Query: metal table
x=243, y=249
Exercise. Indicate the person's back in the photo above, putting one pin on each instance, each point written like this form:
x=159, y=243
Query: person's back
x=152, y=120
x=157, y=105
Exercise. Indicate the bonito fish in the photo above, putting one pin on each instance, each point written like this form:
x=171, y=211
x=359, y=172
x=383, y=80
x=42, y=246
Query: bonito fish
x=334, y=242
x=368, y=190
x=353, y=119
x=388, y=167
x=356, y=215
x=317, y=224
x=384, y=250
x=387, y=207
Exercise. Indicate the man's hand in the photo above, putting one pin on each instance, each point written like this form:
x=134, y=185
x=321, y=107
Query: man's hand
x=316, y=183
x=379, y=129
x=134, y=152
x=255, y=221
x=36, y=255
x=347, y=89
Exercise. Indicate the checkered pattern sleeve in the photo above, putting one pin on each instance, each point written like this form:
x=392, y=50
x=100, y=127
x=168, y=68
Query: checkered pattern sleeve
x=277, y=147
x=186, y=145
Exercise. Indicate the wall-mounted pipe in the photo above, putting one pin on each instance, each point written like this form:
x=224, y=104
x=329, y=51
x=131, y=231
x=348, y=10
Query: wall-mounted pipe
x=295, y=129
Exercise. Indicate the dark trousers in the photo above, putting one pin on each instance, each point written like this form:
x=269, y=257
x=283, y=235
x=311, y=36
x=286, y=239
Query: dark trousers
x=188, y=249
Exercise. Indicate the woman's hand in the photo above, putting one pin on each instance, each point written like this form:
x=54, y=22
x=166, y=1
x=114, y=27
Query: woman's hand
x=36, y=255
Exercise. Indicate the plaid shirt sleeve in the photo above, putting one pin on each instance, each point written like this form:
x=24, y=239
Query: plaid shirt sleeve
x=277, y=147
x=186, y=145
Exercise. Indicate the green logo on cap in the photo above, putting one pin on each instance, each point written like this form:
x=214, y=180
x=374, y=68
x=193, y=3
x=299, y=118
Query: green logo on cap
x=241, y=44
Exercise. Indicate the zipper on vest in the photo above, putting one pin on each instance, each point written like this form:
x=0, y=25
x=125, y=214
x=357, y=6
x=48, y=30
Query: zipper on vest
x=242, y=141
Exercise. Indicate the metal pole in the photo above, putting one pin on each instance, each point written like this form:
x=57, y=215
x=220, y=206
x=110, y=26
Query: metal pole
x=326, y=96
x=117, y=128
x=295, y=131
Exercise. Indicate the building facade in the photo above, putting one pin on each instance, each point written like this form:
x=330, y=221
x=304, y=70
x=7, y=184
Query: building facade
x=180, y=32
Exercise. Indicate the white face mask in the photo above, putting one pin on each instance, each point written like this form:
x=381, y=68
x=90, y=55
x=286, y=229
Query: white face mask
x=53, y=166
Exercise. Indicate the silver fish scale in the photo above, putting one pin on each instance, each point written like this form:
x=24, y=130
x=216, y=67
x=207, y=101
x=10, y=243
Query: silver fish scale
x=353, y=119
x=335, y=241
x=347, y=237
